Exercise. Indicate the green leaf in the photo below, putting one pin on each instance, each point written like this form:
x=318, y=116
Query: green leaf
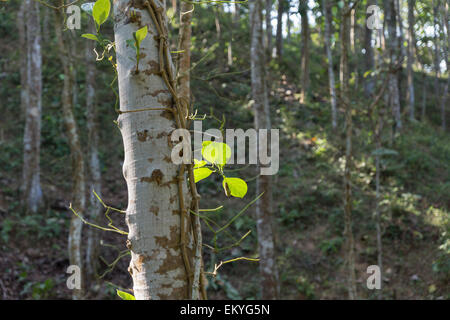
x=367, y=73
x=141, y=34
x=199, y=164
x=235, y=187
x=201, y=173
x=100, y=12
x=90, y=36
x=216, y=153
x=125, y=296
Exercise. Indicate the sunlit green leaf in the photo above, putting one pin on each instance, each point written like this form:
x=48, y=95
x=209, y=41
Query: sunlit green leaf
x=90, y=36
x=216, y=153
x=141, y=34
x=125, y=296
x=199, y=164
x=201, y=173
x=100, y=12
x=235, y=187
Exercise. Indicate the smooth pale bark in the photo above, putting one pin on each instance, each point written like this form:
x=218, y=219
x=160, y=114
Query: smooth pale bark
x=345, y=95
x=410, y=55
x=279, y=35
x=32, y=196
x=393, y=49
x=327, y=41
x=268, y=269
x=304, y=62
x=93, y=162
x=153, y=212
x=72, y=133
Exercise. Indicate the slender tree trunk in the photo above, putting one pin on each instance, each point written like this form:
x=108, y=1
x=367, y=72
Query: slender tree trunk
x=304, y=63
x=184, y=83
x=445, y=23
x=23, y=45
x=94, y=180
x=31, y=182
x=279, y=36
x=327, y=14
x=269, y=29
x=288, y=24
x=437, y=58
x=424, y=95
x=393, y=47
x=160, y=237
x=184, y=92
x=411, y=45
x=268, y=269
x=345, y=95
x=72, y=132
x=369, y=59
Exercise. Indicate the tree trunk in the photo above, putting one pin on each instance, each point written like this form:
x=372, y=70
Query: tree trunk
x=78, y=189
x=94, y=182
x=437, y=58
x=31, y=100
x=269, y=29
x=304, y=63
x=445, y=23
x=279, y=39
x=345, y=95
x=369, y=59
x=327, y=14
x=411, y=45
x=393, y=47
x=268, y=269
x=160, y=237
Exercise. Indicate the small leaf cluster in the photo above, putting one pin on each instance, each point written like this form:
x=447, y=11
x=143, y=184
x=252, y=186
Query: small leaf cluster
x=216, y=155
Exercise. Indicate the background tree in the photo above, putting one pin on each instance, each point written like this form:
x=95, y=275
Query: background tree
x=31, y=79
x=268, y=269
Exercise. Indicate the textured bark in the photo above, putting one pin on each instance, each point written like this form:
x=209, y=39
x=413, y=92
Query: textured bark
x=327, y=14
x=345, y=96
x=393, y=47
x=72, y=133
x=153, y=213
x=279, y=36
x=304, y=63
x=31, y=99
x=268, y=269
x=94, y=181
